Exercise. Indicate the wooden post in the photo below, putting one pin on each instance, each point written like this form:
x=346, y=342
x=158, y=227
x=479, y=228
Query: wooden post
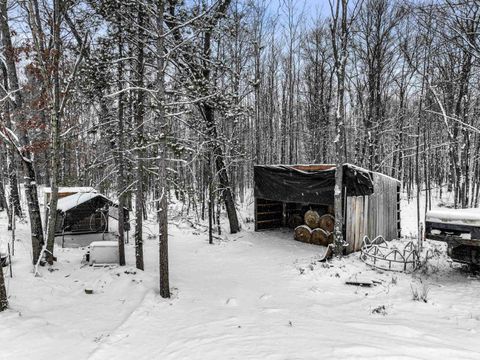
x=12, y=212
x=399, y=225
x=9, y=261
x=210, y=210
x=255, y=213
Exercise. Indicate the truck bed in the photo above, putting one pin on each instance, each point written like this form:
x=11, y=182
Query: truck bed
x=460, y=229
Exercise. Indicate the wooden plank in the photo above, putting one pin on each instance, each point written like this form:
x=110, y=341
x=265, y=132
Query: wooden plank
x=348, y=224
x=362, y=225
x=399, y=226
x=358, y=220
x=380, y=208
x=365, y=217
x=255, y=207
x=354, y=222
x=269, y=221
x=269, y=213
x=392, y=205
x=351, y=240
x=317, y=167
x=269, y=205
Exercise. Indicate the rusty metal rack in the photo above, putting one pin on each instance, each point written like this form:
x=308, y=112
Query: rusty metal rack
x=378, y=254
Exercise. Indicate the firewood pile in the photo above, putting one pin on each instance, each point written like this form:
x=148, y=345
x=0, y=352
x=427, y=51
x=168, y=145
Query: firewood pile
x=315, y=229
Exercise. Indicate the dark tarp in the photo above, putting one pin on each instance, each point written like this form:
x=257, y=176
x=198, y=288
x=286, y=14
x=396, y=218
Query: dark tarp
x=287, y=184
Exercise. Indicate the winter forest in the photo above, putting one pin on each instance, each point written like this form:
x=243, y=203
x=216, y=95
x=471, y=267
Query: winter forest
x=165, y=107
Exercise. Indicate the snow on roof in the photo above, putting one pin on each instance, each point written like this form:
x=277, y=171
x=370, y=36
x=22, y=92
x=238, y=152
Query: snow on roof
x=104, y=243
x=330, y=167
x=69, y=202
x=386, y=176
x=455, y=216
x=75, y=189
x=373, y=172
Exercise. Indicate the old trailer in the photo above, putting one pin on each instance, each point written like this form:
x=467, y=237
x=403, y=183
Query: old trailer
x=371, y=200
x=460, y=229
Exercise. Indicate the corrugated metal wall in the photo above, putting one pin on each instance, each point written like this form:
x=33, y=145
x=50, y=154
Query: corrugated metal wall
x=373, y=215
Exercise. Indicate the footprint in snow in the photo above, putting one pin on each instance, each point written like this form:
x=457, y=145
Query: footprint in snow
x=265, y=297
x=231, y=302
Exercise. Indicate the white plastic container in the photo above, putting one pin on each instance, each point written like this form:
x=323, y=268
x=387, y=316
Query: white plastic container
x=103, y=252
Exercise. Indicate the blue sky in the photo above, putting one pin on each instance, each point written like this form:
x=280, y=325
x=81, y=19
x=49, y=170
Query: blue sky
x=312, y=7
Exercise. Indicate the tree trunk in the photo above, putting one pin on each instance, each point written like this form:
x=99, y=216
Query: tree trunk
x=30, y=178
x=11, y=165
x=55, y=132
x=217, y=151
x=162, y=152
x=210, y=201
x=119, y=156
x=36, y=227
x=3, y=291
x=139, y=112
x=339, y=42
x=3, y=199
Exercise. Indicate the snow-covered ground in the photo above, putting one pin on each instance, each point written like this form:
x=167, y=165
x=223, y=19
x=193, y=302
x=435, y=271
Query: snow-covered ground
x=250, y=296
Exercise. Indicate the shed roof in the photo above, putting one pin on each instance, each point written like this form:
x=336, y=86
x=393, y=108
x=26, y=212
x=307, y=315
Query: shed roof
x=69, y=202
x=73, y=189
x=312, y=184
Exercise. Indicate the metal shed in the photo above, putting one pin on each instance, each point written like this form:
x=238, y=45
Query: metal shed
x=371, y=200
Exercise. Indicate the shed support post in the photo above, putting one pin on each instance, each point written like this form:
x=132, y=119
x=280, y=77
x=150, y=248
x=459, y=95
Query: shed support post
x=255, y=213
x=399, y=225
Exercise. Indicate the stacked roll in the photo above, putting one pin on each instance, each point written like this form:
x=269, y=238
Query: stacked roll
x=316, y=229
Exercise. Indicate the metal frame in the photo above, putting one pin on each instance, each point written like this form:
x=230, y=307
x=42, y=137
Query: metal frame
x=378, y=254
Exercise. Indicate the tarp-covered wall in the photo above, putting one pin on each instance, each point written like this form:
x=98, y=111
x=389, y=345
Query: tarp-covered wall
x=288, y=184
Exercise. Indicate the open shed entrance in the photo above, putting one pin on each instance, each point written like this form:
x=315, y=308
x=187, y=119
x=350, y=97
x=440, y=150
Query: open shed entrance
x=371, y=200
x=85, y=213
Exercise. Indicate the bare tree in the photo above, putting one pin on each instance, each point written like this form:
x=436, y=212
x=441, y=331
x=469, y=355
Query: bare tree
x=162, y=206
x=22, y=145
x=339, y=28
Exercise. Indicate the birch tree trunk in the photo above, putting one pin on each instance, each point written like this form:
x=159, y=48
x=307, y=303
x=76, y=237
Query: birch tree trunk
x=14, y=197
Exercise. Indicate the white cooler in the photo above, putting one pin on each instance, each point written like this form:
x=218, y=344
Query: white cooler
x=103, y=252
